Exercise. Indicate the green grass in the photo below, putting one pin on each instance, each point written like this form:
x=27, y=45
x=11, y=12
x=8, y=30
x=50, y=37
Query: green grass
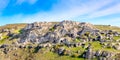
x=116, y=37
x=96, y=45
x=23, y=54
x=3, y=40
x=76, y=48
x=77, y=40
x=52, y=29
x=53, y=56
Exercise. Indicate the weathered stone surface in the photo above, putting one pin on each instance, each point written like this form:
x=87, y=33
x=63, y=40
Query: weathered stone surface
x=3, y=46
x=61, y=51
x=46, y=45
x=41, y=32
x=98, y=53
x=117, y=47
x=89, y=53
x=105, y=54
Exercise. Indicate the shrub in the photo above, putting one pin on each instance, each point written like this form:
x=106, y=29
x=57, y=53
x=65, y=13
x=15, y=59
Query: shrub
x=52, y=29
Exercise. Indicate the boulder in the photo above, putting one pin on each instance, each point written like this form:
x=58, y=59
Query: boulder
x=61, y=50
x=99, y=38
x=116, y=34
x=3, y=46
x=15, y=54
x=46, y=45
x=5, y=30
x=98, y=53
x=104, y=54
x=117, y=47
x=5, y=51
x=89, y=53
x=63, y=40
x=63, y=32
x=10, y=34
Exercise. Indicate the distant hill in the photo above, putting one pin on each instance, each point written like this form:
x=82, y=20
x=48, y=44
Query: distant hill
x=107, y=27
x=101, y=27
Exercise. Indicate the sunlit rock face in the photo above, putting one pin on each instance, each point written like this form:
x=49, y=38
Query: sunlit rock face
x=42, y=32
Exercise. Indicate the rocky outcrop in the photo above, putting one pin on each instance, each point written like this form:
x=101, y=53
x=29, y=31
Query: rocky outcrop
x=42, y=32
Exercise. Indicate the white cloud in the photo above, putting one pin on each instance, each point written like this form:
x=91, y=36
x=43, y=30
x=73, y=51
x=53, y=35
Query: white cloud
x=112, y=10
x=68, y=10
x=75, y=8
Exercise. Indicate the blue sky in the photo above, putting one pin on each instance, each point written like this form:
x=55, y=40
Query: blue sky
x=93, y=11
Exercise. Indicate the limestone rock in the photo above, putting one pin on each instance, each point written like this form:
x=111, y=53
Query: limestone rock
x=61, y=51
x=43, y=32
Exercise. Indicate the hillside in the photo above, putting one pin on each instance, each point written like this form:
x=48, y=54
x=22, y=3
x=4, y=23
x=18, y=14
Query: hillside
x=108, y=27
x=66, y=40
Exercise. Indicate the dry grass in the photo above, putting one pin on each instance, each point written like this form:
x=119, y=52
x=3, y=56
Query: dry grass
x=108, y=27
x=13, y=26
